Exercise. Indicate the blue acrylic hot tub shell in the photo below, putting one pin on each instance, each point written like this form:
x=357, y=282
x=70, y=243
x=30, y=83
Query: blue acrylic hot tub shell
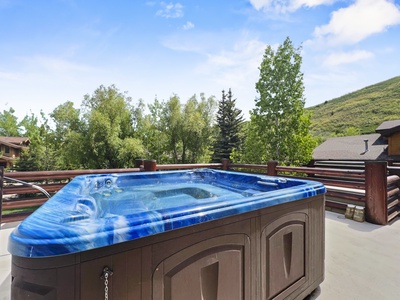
x=94, y=211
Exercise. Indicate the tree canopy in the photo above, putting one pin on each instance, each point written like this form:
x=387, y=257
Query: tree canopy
x=279, y=124
x=108, y=131
x=9, y=123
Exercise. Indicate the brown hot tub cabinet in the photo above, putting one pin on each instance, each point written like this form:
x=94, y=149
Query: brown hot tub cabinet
x=275, y=252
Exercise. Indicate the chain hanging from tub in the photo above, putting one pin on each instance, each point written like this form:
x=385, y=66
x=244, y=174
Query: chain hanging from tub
x=106, y=273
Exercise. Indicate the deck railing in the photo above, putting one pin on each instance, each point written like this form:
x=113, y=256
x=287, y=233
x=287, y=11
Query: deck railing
x=372, y=187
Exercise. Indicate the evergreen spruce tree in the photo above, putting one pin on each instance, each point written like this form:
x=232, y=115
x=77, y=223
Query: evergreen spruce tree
x=229, y=122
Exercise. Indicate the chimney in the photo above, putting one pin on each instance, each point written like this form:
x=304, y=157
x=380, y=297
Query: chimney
x=366, y=146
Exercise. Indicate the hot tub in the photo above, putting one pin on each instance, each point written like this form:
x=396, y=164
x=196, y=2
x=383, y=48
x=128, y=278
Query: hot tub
x=198, y=234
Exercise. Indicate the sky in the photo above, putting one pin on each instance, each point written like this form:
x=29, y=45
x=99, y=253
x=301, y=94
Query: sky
x=54, y=51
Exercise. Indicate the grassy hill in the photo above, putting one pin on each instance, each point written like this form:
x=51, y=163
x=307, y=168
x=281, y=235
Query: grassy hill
x=364, y=110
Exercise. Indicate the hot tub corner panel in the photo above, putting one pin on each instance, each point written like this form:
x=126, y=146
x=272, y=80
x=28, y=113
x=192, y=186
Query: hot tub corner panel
x=284, y=255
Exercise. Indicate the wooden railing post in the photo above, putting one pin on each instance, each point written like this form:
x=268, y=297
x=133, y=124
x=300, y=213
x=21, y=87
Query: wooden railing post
x=139, y=163
x=272, y=168
x=225, y=164
x=1, y=191
x=376, y=192
x=150, y=165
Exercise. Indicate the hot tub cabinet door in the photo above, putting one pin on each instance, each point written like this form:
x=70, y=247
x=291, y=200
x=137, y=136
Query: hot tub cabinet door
x=210, y=270
x=284, y=244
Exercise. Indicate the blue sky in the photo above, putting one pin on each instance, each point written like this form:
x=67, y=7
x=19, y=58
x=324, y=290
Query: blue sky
x=53, y=51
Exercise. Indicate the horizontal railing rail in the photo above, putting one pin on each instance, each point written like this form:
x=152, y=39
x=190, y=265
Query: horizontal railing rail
x=51, y=175
x=369, y=187
x=19, y=199
x=322, y=171
x=188, y=166
x=344, y=186
x=344, y=189
x=393, y=196
x=365, y=187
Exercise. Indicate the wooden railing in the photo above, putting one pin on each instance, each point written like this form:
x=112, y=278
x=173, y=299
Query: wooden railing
x=14, y=207
x=344, y=186
x=393, y=196
x=371, y=187
x=12, y=193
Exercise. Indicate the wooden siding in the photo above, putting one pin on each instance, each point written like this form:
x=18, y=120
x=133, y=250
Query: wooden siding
x=394, y=144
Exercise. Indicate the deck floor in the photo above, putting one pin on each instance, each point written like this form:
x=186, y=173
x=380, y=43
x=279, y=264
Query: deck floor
x=362, y=261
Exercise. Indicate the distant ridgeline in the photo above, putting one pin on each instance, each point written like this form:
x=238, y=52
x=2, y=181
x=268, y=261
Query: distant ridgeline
x=359, y=112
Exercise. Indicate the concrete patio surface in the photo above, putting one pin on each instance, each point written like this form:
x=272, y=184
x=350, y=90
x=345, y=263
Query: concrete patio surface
x=362, y=261
x=5, y=261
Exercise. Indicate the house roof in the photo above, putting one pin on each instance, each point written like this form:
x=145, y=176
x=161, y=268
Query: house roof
x=353, y=148
x=388, y=127
x=14, y=141
x=6, y=158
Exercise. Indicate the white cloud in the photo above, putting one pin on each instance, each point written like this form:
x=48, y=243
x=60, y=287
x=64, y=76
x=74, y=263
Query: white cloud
x=185, y=41
x=224, y=60
x=170, y=10
x=55, y=64
x=188, y=25
x=9, y=76
x=358, y=21
x=237, y=67
x=259, y=4
x=340, y=58
x=283, y=6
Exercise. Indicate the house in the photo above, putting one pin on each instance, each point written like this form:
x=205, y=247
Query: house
x=384, y=145
x=10, y=149
x=390, y=130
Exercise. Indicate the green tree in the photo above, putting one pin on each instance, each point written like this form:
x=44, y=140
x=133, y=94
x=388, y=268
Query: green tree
x=197, y=129
x=41, y=155
x=186, y=130
x=149, y=128
x=68, y=137
x=27, y=161
x=9, y=123
x=279, y=118
x=154, y=135
x=66, y=119
x=349, y=131
x=172, y=120
x=109, y=123
x=207, y=108
x=253, y=148
x=229, y=123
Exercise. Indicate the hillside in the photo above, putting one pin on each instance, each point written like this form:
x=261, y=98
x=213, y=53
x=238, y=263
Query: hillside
x=364, y=109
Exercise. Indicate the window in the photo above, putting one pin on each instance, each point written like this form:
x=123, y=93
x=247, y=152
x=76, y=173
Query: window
x=7, y=149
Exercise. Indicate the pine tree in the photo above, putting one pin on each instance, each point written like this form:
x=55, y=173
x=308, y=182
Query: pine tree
x=229, y=122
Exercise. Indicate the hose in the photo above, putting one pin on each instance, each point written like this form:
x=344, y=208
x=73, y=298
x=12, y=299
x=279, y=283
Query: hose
x=29, y=184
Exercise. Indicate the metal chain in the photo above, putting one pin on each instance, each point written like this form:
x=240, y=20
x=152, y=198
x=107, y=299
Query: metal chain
x=106, y=273
x=106, y=286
